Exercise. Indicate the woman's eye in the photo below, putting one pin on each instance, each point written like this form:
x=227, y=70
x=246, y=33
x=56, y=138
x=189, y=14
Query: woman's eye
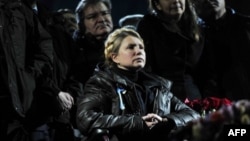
x=141, y=47
x=131, y=47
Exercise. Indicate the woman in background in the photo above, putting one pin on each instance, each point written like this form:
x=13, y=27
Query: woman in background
x=173, y=44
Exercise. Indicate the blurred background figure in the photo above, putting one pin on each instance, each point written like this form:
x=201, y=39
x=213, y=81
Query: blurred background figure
x=226, y=59
x=57, y=94
x=173, y=43
x=26, y=54
x=95, y=23
x=67, y=18
x=130, y=21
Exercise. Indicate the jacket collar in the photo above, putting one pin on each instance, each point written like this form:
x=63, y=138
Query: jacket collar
x=149, y=80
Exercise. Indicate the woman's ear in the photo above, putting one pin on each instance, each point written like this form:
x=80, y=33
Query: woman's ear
x=115, y=58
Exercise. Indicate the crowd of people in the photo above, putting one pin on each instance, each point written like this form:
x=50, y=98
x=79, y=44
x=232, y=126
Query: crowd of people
x=76, y=76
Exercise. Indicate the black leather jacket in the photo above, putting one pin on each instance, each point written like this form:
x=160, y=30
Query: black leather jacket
x=110, y=102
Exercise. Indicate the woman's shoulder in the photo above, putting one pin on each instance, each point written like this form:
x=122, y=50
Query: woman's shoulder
x=167, y=83
x=101, y=75
x=161, y=80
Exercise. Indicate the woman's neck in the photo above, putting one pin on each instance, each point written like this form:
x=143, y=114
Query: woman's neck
x=130, y=74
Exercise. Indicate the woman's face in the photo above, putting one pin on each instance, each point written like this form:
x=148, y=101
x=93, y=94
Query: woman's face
x=98, y=20
x=171, y=8
x=131, y=54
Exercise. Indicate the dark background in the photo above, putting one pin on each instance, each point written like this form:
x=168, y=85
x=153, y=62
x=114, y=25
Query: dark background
x=125, y=7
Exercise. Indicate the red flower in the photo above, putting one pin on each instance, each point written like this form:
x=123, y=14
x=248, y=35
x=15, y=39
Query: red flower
x=208, y=103
x=195, y=104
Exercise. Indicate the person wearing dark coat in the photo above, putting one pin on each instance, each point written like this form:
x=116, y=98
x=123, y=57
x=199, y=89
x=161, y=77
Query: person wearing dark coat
x=95, y=23
x=26, y=55
x=227, y=47
x=123, y=102
x=60, y=90
x=174, y=44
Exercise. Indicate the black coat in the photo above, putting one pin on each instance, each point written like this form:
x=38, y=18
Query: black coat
x=226, y=57
x=102, y=108
x=26, y=54
x=171, y=54
x=62, y=77
x=89, y=52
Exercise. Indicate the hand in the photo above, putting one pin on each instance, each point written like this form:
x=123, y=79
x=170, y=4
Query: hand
x=66, y=100
x=151, y=120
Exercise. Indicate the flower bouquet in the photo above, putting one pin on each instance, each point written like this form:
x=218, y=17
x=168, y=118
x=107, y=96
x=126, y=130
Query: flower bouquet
x=208, y=104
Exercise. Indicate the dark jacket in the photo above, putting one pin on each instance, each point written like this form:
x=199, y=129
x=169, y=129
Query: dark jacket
x=27, y=54
x=172, y=54
x=61, y=80
x=113, y=102
x=226, y=57
x=89, y=52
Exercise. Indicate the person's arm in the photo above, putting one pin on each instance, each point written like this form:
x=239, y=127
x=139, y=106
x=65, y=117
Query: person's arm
x=181, y=114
